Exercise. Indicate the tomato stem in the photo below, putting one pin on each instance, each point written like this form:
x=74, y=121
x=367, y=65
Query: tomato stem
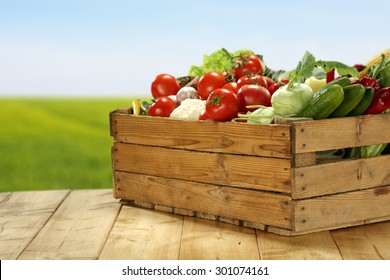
x=215, y=99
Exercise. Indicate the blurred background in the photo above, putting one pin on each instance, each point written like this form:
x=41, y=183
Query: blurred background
x=65, y=64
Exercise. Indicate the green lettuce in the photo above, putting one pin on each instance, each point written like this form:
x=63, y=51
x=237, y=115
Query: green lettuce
x=218, y=61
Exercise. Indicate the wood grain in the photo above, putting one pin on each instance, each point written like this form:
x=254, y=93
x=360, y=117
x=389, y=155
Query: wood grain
x=340, y=210
x=213, y=240
x=262, y=140
x=341, y=176
x=247, y=205
x=262, y=173
x=321, y=135
x=78, y=229
x=22, y=216
x=144, y=234
x=368, y=242
x=314, y=246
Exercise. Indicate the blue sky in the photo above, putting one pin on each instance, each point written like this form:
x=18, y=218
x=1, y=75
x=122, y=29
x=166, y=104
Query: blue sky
x=82, y=47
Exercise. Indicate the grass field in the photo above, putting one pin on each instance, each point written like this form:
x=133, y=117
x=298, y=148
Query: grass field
x=56, y=143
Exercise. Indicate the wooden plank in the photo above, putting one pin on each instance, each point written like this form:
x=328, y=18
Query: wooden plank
x=341, y=176
x=336, y=133
x=213, y=240
x=22, y=216
x=262, y=173
x=78, y=229
x=262, y=140
x=248, y=205
x=368, y=242
x=334, y=211
x=144, y=234
x=314, y=246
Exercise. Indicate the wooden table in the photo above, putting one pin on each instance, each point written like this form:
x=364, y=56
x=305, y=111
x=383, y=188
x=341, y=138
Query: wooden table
x=91, y=224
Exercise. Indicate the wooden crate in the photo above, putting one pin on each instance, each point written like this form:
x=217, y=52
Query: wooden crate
x=260, y=176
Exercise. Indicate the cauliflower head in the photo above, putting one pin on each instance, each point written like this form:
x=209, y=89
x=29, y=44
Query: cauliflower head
x=189, y=109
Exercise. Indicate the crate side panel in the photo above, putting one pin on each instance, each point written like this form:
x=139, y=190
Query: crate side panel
x=341, y=176
x=247, y=205
x=340, y=210
x=271, y=174
x=261, y=140
x=337, y=133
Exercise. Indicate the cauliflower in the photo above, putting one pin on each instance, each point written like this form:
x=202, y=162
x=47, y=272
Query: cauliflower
x=189, y=110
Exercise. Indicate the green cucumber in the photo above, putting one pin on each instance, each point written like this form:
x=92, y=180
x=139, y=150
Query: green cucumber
x=324, y=102
x=352, y=96
x=342, y=81
x=368, y=96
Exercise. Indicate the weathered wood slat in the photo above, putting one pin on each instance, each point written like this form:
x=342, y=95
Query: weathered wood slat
x=22, y=216
x=328, y=212
x=314, y=246
x=78, y=229
x=368, y=242
x=266, y=140
x=246, y=205
x=341, y=176
x=213, y=240
x=235, y=170
x=144, y=234
x=337, y=133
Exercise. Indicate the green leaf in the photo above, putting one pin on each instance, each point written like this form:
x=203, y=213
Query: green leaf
x=341, y=68
x=304, y=69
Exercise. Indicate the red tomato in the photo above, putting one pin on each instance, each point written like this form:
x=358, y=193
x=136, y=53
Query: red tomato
x=284, y=81
x=248, y=64
x=209, y=82
x=222, y=105
x=204, y=116
x=272, y=88
x=163, y=107
x=253, y=95
x=164, y=85
x=269, y=80
x=229, y=77
x=233, y=86
x=252, y=80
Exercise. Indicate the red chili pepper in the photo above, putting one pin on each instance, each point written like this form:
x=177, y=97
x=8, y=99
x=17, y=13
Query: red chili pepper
x=370, y=82
x=330, y=76
x=380, y=103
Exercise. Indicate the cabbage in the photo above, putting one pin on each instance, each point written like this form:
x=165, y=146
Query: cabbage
x=288, y=100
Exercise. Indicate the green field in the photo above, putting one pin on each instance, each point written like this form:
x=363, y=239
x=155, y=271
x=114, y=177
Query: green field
x=56, y=143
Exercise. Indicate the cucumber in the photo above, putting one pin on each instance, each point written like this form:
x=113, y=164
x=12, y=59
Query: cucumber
x=368, y=96
x=352, y=96
x=342, y=81
x=324, y=102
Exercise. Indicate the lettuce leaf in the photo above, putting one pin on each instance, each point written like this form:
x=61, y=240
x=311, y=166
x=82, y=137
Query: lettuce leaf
x=217, y=61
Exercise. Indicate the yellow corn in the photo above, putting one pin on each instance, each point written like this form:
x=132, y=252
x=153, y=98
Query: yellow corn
x=374, y=60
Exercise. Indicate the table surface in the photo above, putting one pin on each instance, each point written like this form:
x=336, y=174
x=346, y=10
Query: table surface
x=91, y=224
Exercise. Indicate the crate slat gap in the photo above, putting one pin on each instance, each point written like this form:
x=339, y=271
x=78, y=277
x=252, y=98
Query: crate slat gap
x=260, y=176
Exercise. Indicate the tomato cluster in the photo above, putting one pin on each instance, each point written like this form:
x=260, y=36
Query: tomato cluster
x=226, y=93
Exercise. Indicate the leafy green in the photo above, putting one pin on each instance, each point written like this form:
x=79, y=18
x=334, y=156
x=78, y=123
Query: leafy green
x=384, y=75
x=341, y=68
x=308, y=66
x=303, y=70
x=218, y=61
